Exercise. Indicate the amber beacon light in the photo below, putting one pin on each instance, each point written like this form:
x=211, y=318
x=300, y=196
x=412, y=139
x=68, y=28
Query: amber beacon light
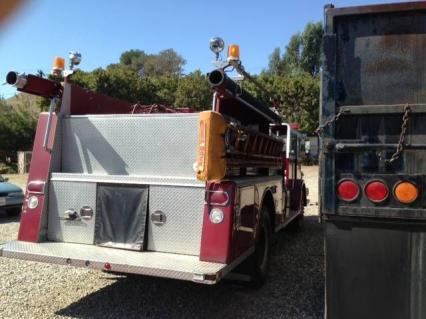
x=58, y=65
x=234, y=52
x=406, y=192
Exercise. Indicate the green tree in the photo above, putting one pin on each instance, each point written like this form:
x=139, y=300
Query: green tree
x=17, y=127
x=165, y=88
x=292, y=56
x=194, y=91
x=134, y=59
x=312, y=43
x=275, y=62
x=302, y=54
x=118, y=82
x=298, y=93
x=167, y=62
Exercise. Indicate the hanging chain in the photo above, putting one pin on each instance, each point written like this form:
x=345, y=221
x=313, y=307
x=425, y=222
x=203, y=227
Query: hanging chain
x=401, y=143
x=329, y=122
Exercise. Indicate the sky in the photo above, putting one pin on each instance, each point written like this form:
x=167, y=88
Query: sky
x=102, y=30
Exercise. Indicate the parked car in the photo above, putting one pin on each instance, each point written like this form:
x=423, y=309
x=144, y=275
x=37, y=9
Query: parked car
x=11, y=197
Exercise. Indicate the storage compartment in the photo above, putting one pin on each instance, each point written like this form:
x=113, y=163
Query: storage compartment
x=67, y=196
x=124, y=208
x=121, y=216
x=182, y=210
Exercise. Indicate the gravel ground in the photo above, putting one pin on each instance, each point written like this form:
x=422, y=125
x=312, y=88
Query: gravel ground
x=295, y=287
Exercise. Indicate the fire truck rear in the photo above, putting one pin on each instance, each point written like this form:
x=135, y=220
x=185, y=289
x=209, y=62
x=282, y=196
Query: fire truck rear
x=153, y=191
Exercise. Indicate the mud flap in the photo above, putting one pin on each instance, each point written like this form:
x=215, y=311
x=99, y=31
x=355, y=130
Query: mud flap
x=121, y=216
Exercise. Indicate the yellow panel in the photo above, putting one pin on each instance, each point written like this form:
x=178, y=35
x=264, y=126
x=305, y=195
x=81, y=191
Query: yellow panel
x=211, y=146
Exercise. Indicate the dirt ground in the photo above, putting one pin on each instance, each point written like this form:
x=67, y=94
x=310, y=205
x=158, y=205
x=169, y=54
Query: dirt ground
x=311, y=179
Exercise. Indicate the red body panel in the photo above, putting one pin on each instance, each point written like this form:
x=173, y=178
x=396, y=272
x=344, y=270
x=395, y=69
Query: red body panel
x=87, y=102
x=216, y=239
x=42, y=87
x=29, y=229
x=243, y=239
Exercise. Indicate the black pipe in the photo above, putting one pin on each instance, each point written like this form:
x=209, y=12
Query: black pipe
x=221, y=83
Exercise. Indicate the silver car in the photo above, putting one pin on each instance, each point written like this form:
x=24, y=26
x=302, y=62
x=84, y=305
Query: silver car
x=11, y=197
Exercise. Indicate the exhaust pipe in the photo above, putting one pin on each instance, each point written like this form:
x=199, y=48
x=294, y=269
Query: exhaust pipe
x=216, y=77
x=16, y=79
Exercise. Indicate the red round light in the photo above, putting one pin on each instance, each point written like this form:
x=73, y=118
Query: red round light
x=219, y=198
x=348, y=190
x=376, y=191
x=107, y=266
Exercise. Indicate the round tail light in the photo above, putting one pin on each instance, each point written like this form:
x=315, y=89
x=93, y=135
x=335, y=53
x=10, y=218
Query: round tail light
x=376, y=191
x=405, y=192
x=348, y=190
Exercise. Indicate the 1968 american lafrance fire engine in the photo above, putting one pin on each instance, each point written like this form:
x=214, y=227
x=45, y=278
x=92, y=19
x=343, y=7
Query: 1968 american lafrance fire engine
x=192, y=196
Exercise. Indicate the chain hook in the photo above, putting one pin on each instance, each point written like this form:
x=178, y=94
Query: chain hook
x=401, y=143
x=329, y=122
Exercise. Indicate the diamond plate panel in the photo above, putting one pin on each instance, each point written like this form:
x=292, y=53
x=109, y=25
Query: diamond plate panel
x=64, y=195
x=148, y=263
x=130, y=145
x=183, y=208
x=125, y=179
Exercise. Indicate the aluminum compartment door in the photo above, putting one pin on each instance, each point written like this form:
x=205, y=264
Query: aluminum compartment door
x=121, y=218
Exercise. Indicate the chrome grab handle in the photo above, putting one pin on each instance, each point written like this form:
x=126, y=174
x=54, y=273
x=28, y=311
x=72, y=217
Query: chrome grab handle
x=52, y=106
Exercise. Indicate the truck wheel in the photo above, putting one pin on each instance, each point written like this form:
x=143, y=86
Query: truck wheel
x=259, y=261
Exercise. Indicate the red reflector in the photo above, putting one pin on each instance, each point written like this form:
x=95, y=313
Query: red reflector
x=348, y=190
x=107, y=266
x=376, y=191
x=36, y=187
x=218, y=198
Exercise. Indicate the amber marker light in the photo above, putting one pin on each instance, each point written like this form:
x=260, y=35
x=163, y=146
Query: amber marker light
x=58, y=64
x=406, y=192
x=234, y=52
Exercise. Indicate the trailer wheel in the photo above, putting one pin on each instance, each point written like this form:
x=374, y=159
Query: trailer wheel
x=259, y=261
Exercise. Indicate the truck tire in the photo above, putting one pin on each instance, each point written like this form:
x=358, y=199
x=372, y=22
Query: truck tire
x=259, y=260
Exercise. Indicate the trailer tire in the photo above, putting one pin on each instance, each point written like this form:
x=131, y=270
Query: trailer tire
x=259, y=260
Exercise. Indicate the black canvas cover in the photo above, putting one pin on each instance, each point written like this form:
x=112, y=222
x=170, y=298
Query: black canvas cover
x=121, y=216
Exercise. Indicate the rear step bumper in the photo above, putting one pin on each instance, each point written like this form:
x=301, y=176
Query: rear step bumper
x=183, y=267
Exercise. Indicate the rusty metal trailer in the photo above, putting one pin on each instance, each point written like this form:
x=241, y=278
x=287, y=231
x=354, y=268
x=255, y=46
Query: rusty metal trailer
x=372, y=162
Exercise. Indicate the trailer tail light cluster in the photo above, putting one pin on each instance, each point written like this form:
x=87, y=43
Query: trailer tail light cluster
x=377, y=191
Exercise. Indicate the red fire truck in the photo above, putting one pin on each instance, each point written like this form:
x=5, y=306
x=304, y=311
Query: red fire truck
x=117, y=187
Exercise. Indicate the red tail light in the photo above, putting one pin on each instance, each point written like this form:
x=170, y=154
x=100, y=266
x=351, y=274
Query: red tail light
x=348, y=190
x=376, y=191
